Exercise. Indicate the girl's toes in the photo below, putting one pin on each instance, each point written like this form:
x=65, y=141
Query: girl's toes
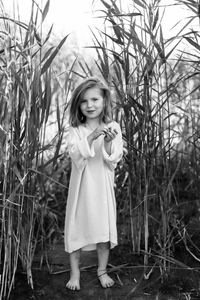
x=109, y=282
x=105, y=280
x=73, y=285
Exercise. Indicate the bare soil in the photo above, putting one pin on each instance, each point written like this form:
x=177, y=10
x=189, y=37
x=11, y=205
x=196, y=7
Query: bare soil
x=131, y=280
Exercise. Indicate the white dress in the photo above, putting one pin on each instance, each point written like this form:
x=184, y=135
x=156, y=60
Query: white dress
x=91, y=207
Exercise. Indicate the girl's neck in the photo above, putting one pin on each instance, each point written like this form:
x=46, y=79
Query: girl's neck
x=93, y=123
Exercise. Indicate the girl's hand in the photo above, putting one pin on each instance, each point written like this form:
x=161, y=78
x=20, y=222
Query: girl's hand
x=110, y=134
x=96, y=133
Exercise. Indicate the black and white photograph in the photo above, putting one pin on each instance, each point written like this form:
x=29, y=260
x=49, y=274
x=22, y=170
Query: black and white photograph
x=99, y=149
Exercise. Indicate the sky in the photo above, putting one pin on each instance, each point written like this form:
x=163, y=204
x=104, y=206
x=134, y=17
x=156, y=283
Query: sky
x=76, y=16
x=72, y=16
x=67, y=16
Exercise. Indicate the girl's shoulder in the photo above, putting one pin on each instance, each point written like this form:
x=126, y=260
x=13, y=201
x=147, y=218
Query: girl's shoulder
x=75, y=131
x=71, y=128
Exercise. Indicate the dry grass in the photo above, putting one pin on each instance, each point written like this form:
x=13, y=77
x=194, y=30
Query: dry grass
x=151, y=85
x=154, y=103
x=26, y=108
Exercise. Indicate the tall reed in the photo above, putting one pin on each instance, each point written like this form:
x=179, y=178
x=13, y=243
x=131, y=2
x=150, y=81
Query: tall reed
x=26, y=108
x=136, y=59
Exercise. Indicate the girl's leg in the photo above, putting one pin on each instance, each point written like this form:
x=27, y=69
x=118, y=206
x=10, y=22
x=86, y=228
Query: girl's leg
x=103, y=250
x=74, y=281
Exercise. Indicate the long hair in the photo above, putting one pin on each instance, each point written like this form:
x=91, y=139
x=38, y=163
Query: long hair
x=75, y=115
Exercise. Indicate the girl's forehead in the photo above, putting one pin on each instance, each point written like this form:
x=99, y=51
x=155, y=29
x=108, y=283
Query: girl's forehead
x=93, y=90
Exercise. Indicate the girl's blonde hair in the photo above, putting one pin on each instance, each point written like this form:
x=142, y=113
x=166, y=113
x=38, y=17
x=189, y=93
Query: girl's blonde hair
x=75, y=115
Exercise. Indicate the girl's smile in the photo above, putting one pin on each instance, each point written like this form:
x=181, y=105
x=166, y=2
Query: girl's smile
x=92, y=103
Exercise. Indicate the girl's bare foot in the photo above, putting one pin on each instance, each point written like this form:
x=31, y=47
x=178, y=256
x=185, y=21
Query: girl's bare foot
x=74, y=282
x=105, y=280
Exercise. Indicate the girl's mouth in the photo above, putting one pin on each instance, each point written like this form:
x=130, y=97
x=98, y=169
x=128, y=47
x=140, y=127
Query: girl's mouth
x=90, y=111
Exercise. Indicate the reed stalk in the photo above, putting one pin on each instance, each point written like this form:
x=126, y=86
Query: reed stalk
x=137, y=60
x=26, y=108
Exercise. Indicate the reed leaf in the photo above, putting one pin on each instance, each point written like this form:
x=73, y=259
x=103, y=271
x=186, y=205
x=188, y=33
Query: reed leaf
x=53, y=55
x=193, y=43
x=45, y=10
x=26, y=107
x=147, y=86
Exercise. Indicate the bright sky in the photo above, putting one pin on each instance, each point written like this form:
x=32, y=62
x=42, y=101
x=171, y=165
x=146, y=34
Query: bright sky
x=66, y=15
x=71, y=16
x=77, y=15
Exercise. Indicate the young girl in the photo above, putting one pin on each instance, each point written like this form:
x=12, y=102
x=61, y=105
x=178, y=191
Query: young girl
x=95, y=146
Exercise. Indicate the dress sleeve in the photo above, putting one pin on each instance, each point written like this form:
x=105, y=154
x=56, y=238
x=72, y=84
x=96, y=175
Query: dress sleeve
x=116, y=149
x=78, y=148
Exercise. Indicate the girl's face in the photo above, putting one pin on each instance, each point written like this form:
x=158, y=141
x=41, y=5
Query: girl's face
x=92, y=103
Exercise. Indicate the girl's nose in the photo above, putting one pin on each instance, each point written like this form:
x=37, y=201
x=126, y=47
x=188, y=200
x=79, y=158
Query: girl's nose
x=89, y=104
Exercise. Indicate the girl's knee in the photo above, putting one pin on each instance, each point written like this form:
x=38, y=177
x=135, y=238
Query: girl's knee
x=75, y=254
x=103, y=246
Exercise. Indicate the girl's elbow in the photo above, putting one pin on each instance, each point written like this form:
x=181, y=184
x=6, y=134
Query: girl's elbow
x=80, y=164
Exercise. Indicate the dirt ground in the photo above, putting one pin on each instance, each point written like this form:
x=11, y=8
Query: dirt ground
x=125, y=268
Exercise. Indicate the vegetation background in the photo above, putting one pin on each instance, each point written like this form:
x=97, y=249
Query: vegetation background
x=155, y=84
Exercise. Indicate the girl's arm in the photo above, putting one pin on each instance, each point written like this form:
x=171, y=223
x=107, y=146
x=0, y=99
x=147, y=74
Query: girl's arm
x=95, y=134
x=113, y=150
x=79, y=148
x=108, y=146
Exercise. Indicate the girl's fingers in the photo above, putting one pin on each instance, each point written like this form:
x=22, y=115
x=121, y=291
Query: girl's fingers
x=113, y=132
x=109, y=133
x=100, y=132
x=110, y=136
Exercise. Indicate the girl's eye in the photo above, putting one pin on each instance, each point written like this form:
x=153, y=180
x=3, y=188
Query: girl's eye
x=83, y=101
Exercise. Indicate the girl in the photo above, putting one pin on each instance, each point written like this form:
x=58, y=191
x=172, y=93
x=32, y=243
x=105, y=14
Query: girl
x=95, y=146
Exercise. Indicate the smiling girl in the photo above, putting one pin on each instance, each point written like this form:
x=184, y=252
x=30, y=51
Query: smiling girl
x=95, y=147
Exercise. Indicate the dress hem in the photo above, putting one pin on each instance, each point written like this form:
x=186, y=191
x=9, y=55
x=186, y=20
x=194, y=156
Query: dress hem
x=93, y=246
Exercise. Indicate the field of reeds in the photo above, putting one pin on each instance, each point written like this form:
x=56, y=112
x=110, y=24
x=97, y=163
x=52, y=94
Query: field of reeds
x=155, y=87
